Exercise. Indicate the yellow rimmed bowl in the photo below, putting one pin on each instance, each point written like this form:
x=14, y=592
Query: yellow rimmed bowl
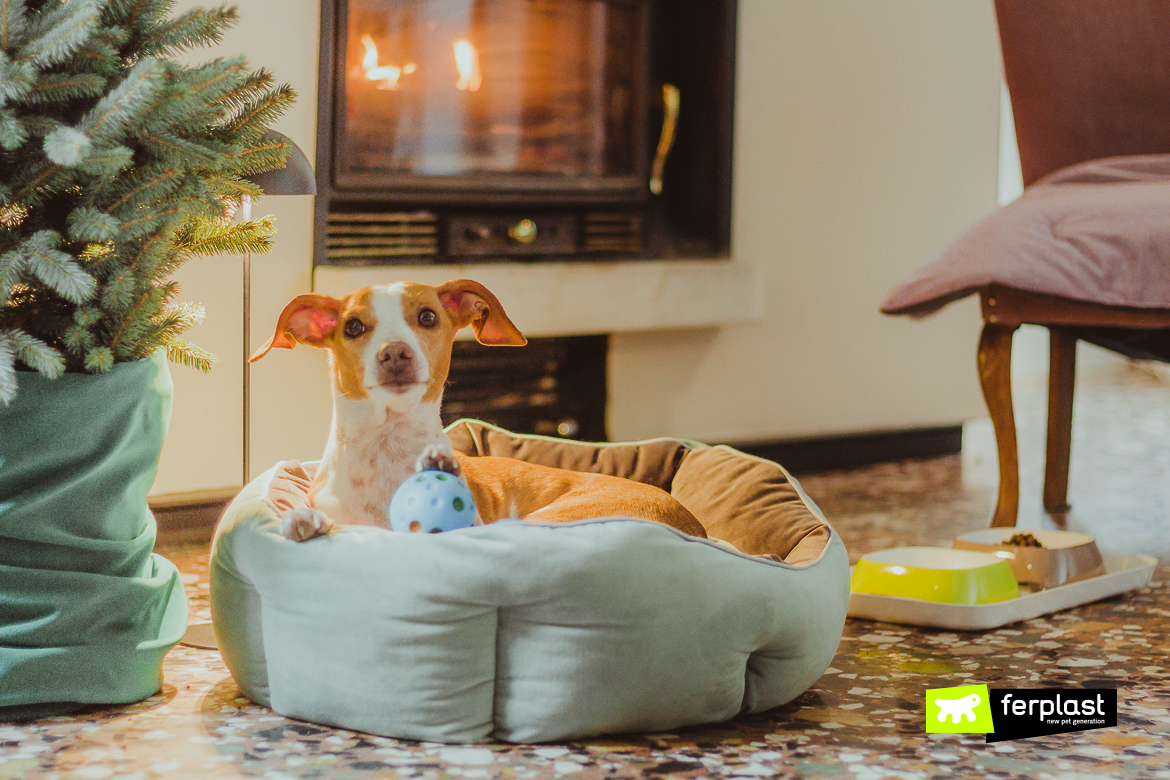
x=1067, y=556
x=936, y=574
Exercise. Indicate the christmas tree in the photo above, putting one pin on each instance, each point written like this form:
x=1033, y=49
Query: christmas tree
x=117, y=165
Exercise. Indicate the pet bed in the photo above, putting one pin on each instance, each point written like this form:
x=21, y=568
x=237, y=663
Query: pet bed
x=529, y=632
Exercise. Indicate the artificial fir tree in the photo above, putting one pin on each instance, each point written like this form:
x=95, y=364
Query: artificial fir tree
x=118, y=164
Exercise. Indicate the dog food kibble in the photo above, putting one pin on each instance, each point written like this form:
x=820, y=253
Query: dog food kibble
x=1024, y=540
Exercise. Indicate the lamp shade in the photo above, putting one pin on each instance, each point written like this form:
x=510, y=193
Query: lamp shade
x=295, y=178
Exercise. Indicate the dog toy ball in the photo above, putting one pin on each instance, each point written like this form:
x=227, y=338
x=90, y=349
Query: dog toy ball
x=432, y=502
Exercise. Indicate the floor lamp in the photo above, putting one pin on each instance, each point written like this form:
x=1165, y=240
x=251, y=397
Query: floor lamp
x=295, y=178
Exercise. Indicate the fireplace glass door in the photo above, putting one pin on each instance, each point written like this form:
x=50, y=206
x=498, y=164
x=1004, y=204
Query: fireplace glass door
x=534, y=95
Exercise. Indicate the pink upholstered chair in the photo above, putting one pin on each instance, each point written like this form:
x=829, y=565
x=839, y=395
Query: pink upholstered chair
x=1086, y=250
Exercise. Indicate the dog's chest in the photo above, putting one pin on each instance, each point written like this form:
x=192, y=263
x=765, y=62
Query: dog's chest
x=359, y=481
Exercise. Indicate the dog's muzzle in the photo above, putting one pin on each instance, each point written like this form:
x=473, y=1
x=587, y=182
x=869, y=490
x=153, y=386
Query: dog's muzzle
x=397, y=367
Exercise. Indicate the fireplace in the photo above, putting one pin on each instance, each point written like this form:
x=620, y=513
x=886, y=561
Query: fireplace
x=489, y=131
x=524, y=130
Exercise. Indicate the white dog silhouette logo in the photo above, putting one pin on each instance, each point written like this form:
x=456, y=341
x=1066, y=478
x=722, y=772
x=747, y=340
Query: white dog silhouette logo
x=958, y=708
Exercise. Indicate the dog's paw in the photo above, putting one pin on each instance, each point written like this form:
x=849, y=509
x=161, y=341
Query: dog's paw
x=435, y=458
x=301, y=525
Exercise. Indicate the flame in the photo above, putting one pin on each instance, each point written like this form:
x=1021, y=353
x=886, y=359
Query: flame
x=467, y=61
x=370, y=58
x=387, y=76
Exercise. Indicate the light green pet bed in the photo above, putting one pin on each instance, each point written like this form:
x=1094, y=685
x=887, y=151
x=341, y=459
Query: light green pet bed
x=531, y=632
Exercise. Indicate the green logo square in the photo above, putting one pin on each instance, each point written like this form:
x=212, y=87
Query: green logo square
x=965, y=709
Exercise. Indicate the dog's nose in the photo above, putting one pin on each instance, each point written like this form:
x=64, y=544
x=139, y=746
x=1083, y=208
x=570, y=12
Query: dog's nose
x=396, y=356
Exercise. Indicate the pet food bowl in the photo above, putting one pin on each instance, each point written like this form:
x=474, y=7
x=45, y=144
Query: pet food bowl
x=1064, y=557
x=936, y=574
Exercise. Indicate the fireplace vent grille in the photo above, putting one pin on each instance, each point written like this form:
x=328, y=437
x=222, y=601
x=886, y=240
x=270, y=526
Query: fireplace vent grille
x=613, y=232
x=552, y=386
x=370, y=236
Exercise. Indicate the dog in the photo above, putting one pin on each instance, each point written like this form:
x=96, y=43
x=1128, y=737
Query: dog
x=390, y=352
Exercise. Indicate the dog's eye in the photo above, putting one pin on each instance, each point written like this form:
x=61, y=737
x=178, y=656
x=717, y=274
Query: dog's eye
x=354, y=328
x=427, y=318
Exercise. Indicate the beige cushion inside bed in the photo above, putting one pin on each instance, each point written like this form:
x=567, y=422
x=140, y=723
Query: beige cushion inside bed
x=749, y=502
x=752, y=503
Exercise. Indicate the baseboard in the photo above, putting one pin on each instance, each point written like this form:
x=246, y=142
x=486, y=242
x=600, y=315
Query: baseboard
x=814, y=454
x=189, y=518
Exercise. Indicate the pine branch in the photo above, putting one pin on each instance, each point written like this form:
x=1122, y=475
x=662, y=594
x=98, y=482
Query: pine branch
x=192, y=94
x=195, y=152
x=259, y=113
x=171, y=321
x=61, y=87
x=99, y=360
x=118, y=294
x=126, y=102
x=11, y=266
x=86, y=224
x=44, y=181
x=137, y=14
x=36, y=354
x=255, y=82
x=208, y=238
x=16, y=78
x=187, y=354
x=12, y=22
x=56, y=269
x=197, y=27
x=13, y=133
x=107, y=163
x=260, y=157
x=60, y=32
x=129, y=332
x=231, y=187
x=101, y=54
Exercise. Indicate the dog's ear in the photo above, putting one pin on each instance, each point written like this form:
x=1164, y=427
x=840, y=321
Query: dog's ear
x=470, y=303
x=308, y=319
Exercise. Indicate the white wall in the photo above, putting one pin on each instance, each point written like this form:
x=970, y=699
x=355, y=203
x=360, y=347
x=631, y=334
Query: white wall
x=866, y=139
x=290, y=396
x=867, y=135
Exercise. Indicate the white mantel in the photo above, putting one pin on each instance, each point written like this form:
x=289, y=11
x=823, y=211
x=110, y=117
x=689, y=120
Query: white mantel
x=579, y=298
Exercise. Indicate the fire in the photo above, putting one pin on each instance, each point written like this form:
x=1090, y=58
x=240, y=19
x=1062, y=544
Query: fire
x=467, y=61
x=387, y=76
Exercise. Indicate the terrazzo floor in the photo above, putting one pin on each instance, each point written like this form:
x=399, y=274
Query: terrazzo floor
x=863, y=719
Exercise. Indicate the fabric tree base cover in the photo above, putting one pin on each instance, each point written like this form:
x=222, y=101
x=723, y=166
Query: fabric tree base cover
x=87, y=610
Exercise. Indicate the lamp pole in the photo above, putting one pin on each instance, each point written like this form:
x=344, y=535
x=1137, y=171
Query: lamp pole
x=246, y=213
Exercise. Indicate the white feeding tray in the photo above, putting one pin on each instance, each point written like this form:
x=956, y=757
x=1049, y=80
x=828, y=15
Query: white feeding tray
x=1122, y=573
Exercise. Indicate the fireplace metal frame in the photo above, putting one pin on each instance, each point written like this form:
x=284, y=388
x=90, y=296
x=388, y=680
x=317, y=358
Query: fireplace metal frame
x=409, y=189
x=691, y=221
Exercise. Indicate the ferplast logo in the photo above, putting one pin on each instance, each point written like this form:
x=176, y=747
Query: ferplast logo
x=965, y=709
x=1018, y=713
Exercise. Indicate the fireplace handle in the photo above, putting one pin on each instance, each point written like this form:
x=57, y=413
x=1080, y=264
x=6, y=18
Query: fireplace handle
x=670, y=99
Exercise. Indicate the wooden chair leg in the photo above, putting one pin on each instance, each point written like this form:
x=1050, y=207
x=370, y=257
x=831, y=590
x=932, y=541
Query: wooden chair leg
x=1062, y=370
x=995, y=375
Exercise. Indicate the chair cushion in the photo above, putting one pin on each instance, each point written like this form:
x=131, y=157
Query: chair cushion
x=531, y=632
x=1097, y=232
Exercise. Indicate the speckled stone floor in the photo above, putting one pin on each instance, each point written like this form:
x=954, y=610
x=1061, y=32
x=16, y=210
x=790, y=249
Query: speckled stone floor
x=863, y=719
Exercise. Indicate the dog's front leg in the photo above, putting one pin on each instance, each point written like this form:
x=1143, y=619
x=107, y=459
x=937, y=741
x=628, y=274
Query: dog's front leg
x=305, y=523
x=437, y=458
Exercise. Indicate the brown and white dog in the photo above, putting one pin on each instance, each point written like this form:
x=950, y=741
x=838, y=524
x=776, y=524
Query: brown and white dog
x=390, y=351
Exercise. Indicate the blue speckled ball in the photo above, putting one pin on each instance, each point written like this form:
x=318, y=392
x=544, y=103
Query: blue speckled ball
x=432, y=502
